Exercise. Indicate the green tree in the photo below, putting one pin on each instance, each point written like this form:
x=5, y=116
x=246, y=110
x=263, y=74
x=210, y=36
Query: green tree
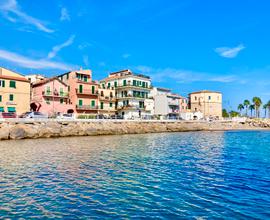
x=234, y=114
x=251, y=108
x=225, y=114
x=257, y=103
x=246, y=104
x=240, y=108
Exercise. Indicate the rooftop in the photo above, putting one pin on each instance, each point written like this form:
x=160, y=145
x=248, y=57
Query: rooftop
x=204, y=91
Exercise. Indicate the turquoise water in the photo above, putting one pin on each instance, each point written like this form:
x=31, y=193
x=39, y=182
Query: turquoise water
x=201, y=175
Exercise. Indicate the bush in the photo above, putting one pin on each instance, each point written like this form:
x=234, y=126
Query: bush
x=86, y=116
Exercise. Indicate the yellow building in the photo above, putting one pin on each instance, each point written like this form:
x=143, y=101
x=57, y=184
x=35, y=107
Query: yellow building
x=14, y=92
x=207, y=102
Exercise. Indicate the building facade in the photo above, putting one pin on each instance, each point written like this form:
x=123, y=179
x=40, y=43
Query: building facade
x=106, y=101
x=14, y=92
x=183, y=104
x=50, y=96
x=207, y=102
x=166, y=103
x=131, y=91
x=83, y=91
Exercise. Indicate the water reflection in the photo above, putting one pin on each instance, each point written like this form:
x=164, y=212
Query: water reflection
x=196, y=174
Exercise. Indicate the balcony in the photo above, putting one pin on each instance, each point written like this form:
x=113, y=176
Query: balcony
x=130, y=85
x=55, y=94
x=130, y=107
x=173, y=103
x=86, y=92
x=107, y=98
x=86, y=107
x=132, y=97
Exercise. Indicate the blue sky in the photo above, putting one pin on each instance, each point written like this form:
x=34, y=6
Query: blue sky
x=185, y=45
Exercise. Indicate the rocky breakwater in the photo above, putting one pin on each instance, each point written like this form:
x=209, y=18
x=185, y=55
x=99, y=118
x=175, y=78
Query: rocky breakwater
x=21, y=129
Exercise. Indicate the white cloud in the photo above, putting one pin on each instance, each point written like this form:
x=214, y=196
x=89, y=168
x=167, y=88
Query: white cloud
x=33, y=63
x=126, y=55
x=84, y=45
x=183, y=76
x=229, y=52
x=64, y=15
x=59, y=47
x=11, y=11
x=86, y=60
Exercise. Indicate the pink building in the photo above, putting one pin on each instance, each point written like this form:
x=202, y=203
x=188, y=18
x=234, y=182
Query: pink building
x=183, y=104
x=50, y=96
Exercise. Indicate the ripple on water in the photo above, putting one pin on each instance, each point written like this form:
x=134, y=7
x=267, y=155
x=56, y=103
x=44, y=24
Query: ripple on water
x=161, y=176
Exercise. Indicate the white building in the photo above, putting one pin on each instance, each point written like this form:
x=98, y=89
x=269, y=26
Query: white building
x=188, y=115
x=132, y=93
x=166, y=104
x=34, y=78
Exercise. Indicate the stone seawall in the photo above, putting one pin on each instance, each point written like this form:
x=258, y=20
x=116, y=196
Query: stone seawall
x=21, y=129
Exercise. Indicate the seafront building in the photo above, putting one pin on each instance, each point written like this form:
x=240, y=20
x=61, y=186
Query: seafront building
x=50, y=96
x=106, y=101
x=166, y=103
x=131, y=91
x=183, y=104
x=14, y=92
x=83, y=91
x=207, y=102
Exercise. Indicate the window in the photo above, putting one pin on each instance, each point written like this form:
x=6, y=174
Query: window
x=2, y=109
x=195, y=98
x=80, y=102
x=115, y=84
x=209, y=97
x=111, y=104
x=111, y=95
x=48, y=90
x=0, y=98
x=134, y=82
x=11, y=109
x=103, y=86
x=93, y=103
x=93, y=89
x=61, y=91
x=2, y=83
x=48, y=101
x=12, y=84
x=109, y=85
x=67, y=75
x=101, y=93
x=68, y=88
x=80, y=88
x=143, y=84
x=11, y=97
x=124, y=82
x=85, y=78
x=61, y=101
x=101, y=105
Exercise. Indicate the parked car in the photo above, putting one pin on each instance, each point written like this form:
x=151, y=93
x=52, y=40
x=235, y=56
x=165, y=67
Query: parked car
x=8, y=115
x=65, y=116
x=34, y=115
x=117, y=117
x=101, y=117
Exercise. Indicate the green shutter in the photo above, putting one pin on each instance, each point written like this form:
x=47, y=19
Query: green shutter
x=93, y=89
x=111, y=105
x=93, y=103
x=2, y=109
x=80, y=88
x=11, y=97
x=0, y=98
x=134, y=82
x=80, y=102
x=11, y=109
x=3, y=83
x=109, y=85
x=101, y=105
x=12, y=84
x=125, y=82
x=115, y=84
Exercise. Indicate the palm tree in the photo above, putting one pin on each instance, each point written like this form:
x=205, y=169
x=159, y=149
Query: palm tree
x=257, y=103
x=246, y=104
x=240, y=108
x=265, y=107
x=268, y=105
x=251, y=108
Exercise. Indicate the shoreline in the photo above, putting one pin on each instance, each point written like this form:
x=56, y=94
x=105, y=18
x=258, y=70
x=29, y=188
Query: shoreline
x=16, y=129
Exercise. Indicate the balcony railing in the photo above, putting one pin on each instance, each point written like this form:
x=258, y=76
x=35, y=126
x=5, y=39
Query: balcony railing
x=134, y=107
x=86, y=92
x=133, y=85
x=86, y=107
x=132, y=96
x=55, y=93
x=107, y=98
